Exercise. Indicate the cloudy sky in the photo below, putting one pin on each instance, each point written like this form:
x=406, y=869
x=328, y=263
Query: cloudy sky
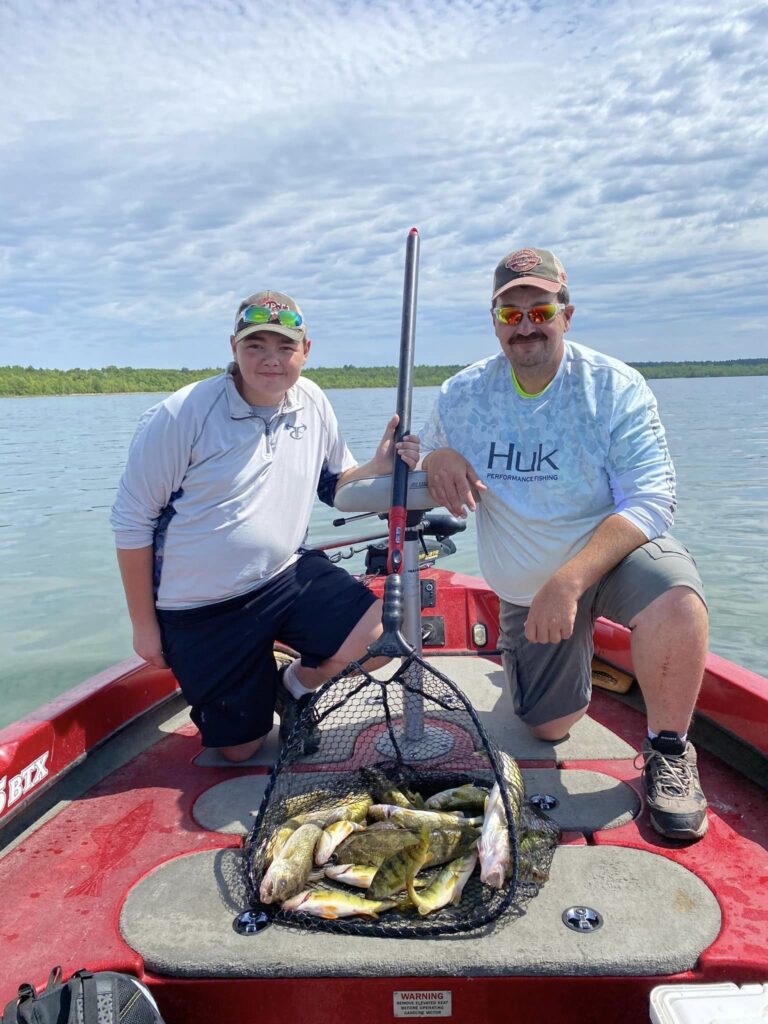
x=160, y=159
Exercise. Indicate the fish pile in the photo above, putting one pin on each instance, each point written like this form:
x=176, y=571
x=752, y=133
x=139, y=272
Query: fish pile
x=389, y=841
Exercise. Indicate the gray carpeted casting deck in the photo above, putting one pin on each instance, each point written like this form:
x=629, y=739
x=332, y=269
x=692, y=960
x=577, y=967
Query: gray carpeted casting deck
x=198, y=896
x=482, y=681
x=587, y=801
x=179, y=917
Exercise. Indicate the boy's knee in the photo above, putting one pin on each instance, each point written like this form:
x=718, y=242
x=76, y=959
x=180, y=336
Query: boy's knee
x=241, y=752
x=557, y=729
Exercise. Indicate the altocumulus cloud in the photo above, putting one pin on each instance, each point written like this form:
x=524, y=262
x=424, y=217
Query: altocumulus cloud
x=161, y=160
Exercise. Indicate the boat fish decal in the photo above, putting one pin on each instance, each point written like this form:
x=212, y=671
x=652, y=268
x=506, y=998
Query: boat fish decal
x=114, y=841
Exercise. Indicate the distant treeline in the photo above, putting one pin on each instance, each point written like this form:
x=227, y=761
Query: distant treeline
x=27, y=380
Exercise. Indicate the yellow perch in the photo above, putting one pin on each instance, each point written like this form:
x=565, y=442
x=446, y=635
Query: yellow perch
x=446, y=888
x=331, y=904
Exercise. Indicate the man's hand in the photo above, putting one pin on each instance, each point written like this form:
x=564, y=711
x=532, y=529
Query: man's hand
x=452, y=481
x=407, y=449
x=553, y=612
x=148, y=645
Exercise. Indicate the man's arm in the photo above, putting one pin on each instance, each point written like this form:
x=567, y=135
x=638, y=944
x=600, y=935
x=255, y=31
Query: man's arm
x=452, y=480
x=642, y=480
x=136, y=566
x=553, y=609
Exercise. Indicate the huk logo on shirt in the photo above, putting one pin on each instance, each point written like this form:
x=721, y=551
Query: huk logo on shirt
x=297, y=430
x=511, y=458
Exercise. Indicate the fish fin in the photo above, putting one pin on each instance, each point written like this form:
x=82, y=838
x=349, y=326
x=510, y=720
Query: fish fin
x=90, y=886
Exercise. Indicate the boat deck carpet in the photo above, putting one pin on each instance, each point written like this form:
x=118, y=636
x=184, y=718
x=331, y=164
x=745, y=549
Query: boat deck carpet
x=482, y=680
x=631, y=889
x=657, y=916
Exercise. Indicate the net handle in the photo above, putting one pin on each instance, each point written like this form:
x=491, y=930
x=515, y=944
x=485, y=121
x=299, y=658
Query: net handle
x=399, y=500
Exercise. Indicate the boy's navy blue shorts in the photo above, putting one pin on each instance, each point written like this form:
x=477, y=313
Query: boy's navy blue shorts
x=221, y=653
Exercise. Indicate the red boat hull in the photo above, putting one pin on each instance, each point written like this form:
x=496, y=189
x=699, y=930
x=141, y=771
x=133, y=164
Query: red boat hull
x=64, y=885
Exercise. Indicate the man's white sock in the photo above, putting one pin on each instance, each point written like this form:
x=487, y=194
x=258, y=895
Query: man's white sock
x=291, y=682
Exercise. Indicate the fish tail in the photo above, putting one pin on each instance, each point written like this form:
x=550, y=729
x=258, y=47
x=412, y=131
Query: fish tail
x=90, y=886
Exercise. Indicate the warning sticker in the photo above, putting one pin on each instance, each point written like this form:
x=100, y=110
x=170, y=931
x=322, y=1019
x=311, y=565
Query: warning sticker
x=422, y=1004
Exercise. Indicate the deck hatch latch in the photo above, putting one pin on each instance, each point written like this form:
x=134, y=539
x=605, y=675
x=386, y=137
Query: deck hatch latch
x=543, y=801
x=582, y=919
x=250, y=922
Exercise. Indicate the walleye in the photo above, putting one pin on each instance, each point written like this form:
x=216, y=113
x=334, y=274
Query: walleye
x=373, y=846
x=384, y=791
x=332, y=904
x=460, y=798
x=406, y=818
x=493, y=845
x=447, y=844
x=278, y=839
x=358, y=875
x=515, y=783
x=447, y=887
x=289, y=871
x=334, y=834
x=527, y=870
x=302, y=802
x=354, y=808
x=398, y=871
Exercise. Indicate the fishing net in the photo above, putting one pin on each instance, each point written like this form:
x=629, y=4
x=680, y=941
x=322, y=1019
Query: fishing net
x=373, y=753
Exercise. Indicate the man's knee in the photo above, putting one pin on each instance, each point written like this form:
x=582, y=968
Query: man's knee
x=680, y=604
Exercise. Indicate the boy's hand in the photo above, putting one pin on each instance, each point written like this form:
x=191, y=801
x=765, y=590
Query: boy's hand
x=148, y=645
x=407, y=449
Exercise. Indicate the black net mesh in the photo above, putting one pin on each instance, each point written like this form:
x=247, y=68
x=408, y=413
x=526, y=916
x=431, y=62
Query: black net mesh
x=344, y=831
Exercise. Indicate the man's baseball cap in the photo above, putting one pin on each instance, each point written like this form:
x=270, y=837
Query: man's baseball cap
x=537, y=267
x=269, y=311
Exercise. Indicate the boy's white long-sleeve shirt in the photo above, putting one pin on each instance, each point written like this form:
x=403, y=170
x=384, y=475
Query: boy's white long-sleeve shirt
x=235, y=492
x=555, y=465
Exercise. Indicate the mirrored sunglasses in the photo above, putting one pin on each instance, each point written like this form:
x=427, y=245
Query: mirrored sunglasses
x=537, y=314
x=265, y=315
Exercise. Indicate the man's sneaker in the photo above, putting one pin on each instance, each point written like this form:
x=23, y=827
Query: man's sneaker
x=290, y=709
x=672, y=788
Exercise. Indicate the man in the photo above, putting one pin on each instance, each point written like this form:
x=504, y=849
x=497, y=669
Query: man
x=560, y=451
x=210, y=517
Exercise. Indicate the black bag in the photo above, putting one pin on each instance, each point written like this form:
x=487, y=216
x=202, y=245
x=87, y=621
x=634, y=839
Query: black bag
x=100, y=997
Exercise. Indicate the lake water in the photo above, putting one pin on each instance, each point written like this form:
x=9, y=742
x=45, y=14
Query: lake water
x=62, y=615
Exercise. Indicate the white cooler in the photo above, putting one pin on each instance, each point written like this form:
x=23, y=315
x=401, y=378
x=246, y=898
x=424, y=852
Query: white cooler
x=709, y=1004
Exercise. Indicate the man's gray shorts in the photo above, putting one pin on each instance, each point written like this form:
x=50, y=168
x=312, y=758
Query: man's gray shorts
x=549, y=681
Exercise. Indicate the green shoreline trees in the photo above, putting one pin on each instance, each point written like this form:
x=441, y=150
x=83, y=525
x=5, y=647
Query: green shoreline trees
x=28, y=380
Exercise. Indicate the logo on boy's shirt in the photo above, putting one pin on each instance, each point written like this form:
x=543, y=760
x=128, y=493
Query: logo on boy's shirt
x=296, y=430
x=510, y=457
